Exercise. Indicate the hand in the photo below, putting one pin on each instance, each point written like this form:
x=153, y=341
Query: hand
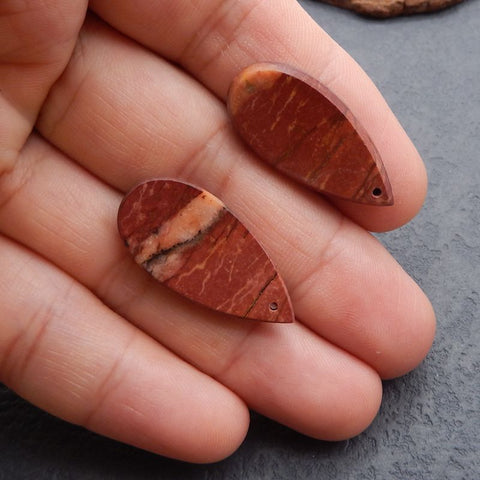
x=137, y=91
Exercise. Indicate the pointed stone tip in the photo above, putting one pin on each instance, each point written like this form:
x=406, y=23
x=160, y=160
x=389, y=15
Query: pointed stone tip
x=380, y=197
x=285, y=316
x=380, y=193
x=273, y=304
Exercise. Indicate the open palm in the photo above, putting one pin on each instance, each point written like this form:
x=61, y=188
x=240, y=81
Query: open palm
x=132, y=90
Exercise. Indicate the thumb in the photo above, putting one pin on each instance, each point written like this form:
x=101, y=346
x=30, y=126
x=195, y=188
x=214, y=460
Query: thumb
x=36, y=41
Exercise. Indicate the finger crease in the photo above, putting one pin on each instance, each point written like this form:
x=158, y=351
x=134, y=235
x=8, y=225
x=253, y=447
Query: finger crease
x=323, y=258
x=48, y=312
x=222, y=373
x=189, y=167
x=212, y=25
x=111, y=380
x=77, y=56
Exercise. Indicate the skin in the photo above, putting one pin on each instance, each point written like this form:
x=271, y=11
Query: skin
x=87, y=335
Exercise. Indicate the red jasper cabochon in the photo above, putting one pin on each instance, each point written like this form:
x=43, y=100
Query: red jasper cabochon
x=187, y=240
x=301, y=128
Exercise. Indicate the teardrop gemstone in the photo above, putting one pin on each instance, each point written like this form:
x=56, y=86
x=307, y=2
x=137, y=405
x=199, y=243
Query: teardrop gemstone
x=301, y=128
x=187, y=240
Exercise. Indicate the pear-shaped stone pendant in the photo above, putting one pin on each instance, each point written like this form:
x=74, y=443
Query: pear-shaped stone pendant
x=301, y=128
x=187, y=240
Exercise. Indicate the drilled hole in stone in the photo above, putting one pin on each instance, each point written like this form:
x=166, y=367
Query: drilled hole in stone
x=274, y=306
x=377, y=192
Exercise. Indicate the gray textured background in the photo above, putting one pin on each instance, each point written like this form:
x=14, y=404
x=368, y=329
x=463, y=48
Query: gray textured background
x=428, y=68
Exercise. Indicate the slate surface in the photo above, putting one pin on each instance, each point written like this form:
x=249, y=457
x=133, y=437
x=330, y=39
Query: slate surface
x=428, y=68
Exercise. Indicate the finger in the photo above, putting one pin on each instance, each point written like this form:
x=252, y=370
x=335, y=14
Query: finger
x=289, y=374
x=382, y=317
x=36, y=40
x=215, y=39
x=63, y=350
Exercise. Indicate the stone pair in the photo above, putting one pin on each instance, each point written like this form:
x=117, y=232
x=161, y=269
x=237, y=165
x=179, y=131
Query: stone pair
x=186, y=238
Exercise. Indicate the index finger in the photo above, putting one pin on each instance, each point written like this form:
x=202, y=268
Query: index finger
x=215, y=39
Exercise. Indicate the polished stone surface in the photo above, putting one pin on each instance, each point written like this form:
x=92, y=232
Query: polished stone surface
x=302, y=129
x=428, y=427
x=187, y=240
